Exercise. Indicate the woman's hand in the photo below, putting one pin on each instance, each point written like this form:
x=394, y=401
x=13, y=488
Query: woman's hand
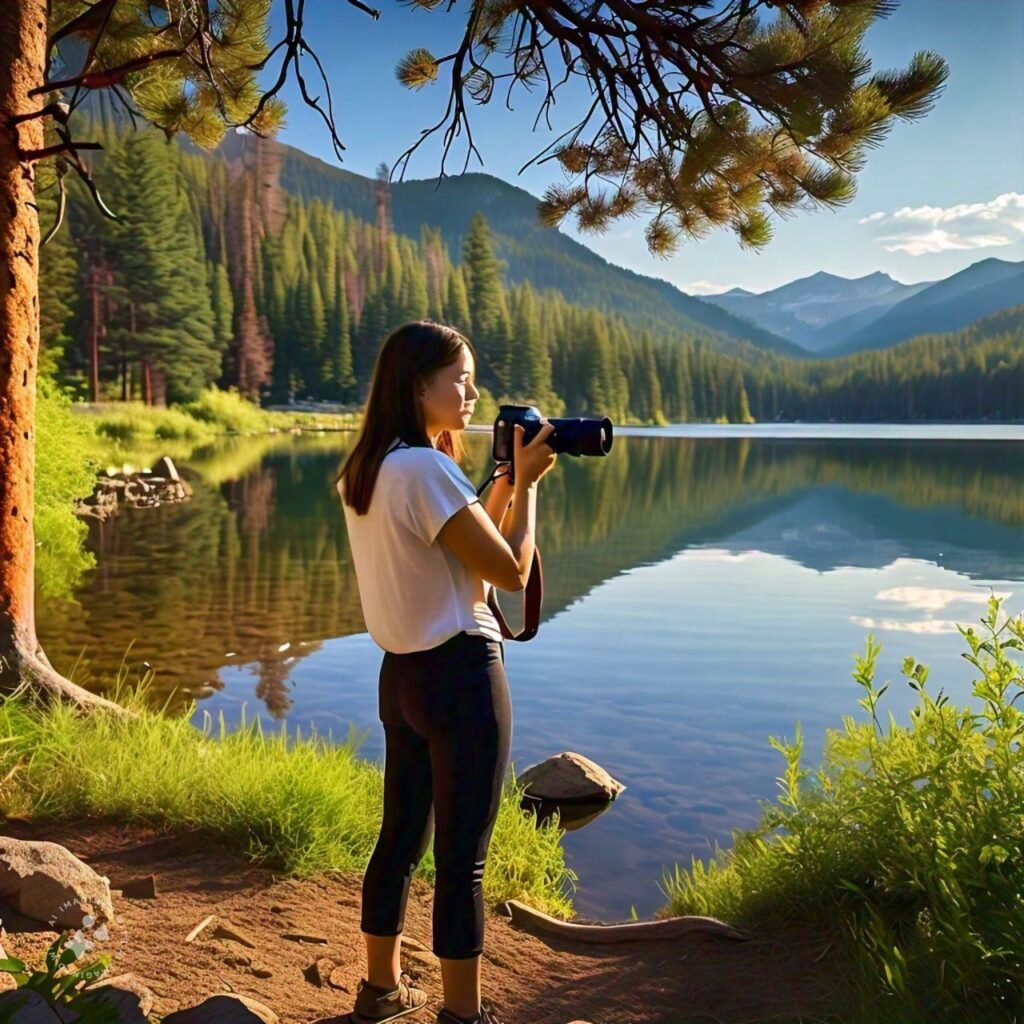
x=533, y=460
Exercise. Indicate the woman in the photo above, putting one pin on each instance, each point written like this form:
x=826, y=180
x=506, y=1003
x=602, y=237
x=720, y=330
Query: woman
x=424, y=549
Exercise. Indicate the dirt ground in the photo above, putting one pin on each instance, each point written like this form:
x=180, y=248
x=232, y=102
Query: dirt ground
x=526, y=979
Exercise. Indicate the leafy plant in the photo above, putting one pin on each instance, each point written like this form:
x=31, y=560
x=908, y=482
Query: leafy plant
x=909, y=838
x=63, y=987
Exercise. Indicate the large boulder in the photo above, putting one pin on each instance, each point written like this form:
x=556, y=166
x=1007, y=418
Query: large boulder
x=49, y=884
x=569, y=777
x=133, y=999
x=165, y=468
x=224, y=1009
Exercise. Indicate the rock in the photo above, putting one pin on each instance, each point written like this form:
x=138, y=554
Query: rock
x=305, y=937
x=139, y=888
x=408, y=943
x=166, y=468
x=569, y=776
x=126, y=1005
x=48, y=884
x=24, y=1007
x=223, y=1009
x=130, y=985
x=572, y=814
x=229, y=931
x=319, y=971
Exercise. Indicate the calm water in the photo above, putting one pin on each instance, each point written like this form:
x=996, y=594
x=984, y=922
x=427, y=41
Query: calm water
x=703, y=593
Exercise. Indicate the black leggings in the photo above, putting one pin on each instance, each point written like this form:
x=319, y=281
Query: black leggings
x=448, y=730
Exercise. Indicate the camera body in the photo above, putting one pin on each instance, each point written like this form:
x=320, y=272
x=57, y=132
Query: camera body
x=571, y=436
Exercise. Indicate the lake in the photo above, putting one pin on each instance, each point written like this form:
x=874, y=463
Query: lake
x=705, y=588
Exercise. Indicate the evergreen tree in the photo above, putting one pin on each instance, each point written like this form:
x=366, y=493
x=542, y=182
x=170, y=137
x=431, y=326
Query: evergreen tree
x=488, y=313
x=456, y=306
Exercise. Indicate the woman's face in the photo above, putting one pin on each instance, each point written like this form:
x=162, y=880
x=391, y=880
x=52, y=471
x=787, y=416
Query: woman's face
x=450, y=397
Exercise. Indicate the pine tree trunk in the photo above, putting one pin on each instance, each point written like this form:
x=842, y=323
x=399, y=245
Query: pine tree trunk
x=24, y=667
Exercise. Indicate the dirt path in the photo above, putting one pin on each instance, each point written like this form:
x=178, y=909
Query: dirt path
x=526, y=980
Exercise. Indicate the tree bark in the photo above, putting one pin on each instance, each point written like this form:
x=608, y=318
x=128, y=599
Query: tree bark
x=24, y=667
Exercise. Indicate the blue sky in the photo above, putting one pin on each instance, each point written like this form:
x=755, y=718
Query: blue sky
x=940, y=193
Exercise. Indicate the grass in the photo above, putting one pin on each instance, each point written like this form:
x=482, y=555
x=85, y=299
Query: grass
x=68, y=456
x=73, y=446
x=910, y=838
x=133, y=432
x=304, y=804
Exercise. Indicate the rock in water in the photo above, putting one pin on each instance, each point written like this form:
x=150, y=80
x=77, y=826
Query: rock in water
x=49, y=884
x=569, y=777
x=166, y=468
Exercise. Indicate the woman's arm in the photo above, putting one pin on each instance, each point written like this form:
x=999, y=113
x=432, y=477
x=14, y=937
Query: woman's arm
x=499, y=500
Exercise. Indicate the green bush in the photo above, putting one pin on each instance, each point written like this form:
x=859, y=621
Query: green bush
x=229, y=410
x=67, y=458
x=133, y=421
x=911, y=837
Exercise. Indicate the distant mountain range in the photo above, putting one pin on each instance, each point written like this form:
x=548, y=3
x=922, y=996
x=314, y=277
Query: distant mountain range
x=830, y=315
x=821, y=315
x=545, y=257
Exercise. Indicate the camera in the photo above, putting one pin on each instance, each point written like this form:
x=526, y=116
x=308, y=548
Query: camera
x=571, y=436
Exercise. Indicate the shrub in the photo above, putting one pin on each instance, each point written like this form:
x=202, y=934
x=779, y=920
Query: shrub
x=911, y=836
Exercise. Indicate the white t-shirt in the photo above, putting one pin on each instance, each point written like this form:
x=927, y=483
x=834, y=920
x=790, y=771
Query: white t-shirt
x=414, y=592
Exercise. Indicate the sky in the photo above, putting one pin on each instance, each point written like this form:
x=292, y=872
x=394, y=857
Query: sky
x=939, y=194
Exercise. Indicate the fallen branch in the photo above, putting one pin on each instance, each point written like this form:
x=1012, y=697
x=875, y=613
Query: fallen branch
x=537, y=922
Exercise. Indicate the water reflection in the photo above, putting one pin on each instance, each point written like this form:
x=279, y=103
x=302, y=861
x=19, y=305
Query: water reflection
x=256, y=569
x=700, y=595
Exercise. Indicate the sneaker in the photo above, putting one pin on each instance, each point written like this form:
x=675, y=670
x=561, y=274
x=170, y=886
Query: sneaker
x=373, y=1007
x=483, y=1017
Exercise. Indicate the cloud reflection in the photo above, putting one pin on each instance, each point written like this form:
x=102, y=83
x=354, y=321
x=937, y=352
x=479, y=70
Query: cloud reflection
x=931, y=627
x=933, y=599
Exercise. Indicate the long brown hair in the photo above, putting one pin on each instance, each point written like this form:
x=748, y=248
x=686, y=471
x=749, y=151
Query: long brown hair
x=410, y=356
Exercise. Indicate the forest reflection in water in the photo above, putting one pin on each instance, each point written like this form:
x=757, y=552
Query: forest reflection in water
x=701, y=595
x=256, y=570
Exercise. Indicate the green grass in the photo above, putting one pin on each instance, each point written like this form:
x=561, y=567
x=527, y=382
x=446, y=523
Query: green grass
x=68, y=456
x=132, y=432
x=910, y=839
x=304, y=804
x=72, y=446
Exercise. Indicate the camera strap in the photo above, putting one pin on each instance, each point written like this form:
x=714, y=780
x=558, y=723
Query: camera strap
x=533, y=596
x=532, y=600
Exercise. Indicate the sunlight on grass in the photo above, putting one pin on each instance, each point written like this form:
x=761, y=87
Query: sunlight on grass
x=306, y=804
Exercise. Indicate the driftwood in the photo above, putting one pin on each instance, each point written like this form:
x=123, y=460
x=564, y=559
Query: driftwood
x=539, y=923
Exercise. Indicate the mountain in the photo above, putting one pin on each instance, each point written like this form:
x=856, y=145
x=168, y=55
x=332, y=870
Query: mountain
x=982, y=288
x=544, y=256
x=809, y=311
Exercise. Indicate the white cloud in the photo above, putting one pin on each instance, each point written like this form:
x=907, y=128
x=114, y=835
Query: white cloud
x=941, y=241
x=996, y=223
x=707, y=288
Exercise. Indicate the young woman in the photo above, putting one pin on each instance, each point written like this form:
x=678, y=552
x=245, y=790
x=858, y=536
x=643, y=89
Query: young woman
x=424, y=550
